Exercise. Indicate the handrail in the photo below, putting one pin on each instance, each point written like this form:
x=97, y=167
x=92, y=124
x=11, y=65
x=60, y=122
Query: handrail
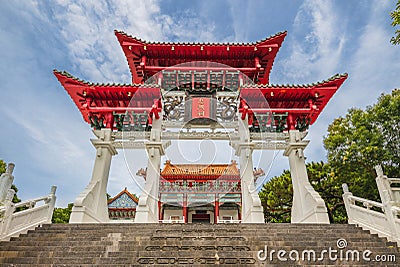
x=172, y=220
x=31, y=203
x=396, y=209
x=231, y=220
x=364, y=200
x=394, y=180
x=14, y=223
x=385, y=222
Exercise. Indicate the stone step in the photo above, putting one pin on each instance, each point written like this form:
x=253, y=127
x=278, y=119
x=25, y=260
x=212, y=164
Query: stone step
x=178, y=244
x=174, y=231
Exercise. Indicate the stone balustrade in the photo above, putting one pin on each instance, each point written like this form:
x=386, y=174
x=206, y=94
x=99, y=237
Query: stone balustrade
x=379, y=218
x=37, y=211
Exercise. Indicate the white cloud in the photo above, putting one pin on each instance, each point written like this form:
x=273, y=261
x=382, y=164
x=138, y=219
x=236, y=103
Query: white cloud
x=87, y=28
x=319, y=45
x=373, y=65
x=376, y=63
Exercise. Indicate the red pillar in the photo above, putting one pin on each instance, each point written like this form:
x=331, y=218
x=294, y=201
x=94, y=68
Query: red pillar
x=184, y=209
x=216, y=211
x=160, y=216
x=110, y=121
x=184, y=213
x=290, y=122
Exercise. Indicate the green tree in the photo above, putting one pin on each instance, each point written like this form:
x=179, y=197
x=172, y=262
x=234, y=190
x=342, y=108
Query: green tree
x=363, y=139
x=62, y=215
x=396, y=22
x=277, y=194
x=385, y=117
x=3, y=166
x=276, y=198
x=327, y=184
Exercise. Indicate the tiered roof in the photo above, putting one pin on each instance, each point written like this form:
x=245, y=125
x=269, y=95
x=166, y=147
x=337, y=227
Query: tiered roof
x=304, y=100
x=103, y=99
x=102, y=105
x=199, y=171
x=148, y=58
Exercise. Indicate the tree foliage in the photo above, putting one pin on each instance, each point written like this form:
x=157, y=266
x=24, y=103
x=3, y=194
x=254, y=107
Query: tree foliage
x=396, y=22
x=276, y=195
x=363, y=139
x=355, y=144
x=62, y=215
x=276, y=198
x=3, y=166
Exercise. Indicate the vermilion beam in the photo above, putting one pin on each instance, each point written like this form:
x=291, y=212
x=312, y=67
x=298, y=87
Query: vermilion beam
x=189, y=68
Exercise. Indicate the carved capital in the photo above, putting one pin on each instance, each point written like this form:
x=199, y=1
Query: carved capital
x=10, y=168
x=104, y=134
x=104, y=144
x=298, y=147
x=247, y=146
x=160, y=146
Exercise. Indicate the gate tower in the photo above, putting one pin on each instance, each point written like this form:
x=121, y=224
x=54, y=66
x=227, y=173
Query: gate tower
x=221, y=89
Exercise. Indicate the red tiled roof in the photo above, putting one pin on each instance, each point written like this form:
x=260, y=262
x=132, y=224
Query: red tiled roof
x=199, y=171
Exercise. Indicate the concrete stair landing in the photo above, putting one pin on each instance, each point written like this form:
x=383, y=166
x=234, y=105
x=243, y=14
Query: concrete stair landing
x=197, y=245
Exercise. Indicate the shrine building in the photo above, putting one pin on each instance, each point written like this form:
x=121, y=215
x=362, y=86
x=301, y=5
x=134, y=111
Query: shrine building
x=200, y=193
x=122, y=206
x=193, y=92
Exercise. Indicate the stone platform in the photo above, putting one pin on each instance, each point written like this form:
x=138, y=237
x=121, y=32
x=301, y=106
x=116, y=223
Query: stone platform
x=195, y=245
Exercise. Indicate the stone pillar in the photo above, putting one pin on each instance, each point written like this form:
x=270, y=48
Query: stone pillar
x=308, y=206
x=6, y=180
x=9, y=208
x=147, y=209
x=91, y=205
x=51, y=201
x=252, y=210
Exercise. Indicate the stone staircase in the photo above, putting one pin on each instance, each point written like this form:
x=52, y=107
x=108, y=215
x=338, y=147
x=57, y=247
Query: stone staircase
x=197, y=245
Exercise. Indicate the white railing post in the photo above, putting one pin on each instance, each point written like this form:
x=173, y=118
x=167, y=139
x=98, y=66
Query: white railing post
x=389, y=213
x=384, y=188
x=51, y=202
x=13, y=223
x=6, y=180
x=347, y=203
x=385, y=222
x=387, y=198
x=9, y=209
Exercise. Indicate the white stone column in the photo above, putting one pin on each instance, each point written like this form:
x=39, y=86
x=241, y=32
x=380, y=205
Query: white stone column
x=9, y=209
x=6, y=180
x=348, y=203
x=252, y=210
x=308, y=206
x=388, y=201
x=91, y=205
x=147, y=209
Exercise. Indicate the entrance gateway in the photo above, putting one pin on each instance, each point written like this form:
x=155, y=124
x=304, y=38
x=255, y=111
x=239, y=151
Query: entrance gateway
x=196, y=91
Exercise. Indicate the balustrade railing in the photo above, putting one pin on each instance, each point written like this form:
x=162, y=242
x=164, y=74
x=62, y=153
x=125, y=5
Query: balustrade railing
x=379, y=218
x=37, y=211
x=172, y=220
x=229, y=220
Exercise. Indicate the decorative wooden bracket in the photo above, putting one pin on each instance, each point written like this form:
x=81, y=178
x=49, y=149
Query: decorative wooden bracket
x=245, y=110
x=155, y=109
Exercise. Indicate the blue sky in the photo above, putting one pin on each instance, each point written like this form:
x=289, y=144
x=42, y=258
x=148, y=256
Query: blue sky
x=43, y=132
